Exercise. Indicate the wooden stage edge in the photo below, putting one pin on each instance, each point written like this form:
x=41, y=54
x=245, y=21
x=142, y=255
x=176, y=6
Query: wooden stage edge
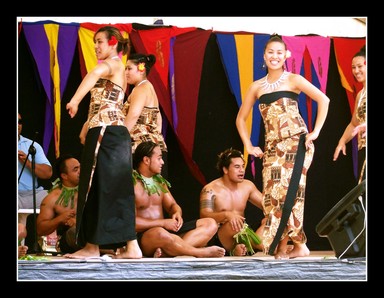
x=319, y=266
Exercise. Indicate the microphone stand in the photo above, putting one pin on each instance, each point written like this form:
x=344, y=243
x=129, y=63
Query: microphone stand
x=32, y=152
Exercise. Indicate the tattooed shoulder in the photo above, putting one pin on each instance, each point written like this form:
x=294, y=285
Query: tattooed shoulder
x=206, y=190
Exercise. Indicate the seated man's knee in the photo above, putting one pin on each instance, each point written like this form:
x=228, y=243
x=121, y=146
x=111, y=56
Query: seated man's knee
x=209, y=224
x=158, y=234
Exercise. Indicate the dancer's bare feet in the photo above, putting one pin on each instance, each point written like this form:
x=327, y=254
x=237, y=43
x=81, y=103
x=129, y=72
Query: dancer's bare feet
x=283, y=249
x=292, y=251
x=132, y=251
x=88, y=251
x=281, y=255
x=289, y=248
x=299, y=250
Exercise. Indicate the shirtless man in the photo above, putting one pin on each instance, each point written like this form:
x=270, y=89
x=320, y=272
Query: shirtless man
x=158, y=235
x=225, y=199
x=58, y=208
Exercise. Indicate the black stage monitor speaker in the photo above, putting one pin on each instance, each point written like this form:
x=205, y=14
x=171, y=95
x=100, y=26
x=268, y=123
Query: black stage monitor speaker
x=345, y=223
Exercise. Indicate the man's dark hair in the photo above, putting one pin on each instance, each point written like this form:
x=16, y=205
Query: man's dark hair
x=142, y=150
x=225, y=157
x=60, y=165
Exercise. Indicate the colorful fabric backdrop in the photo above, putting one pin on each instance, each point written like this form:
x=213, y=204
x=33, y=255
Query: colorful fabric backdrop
x=53, y=46
x=242, y=55
x=177, y=73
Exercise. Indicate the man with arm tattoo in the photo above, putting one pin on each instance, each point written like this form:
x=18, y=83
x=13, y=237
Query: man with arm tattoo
x=225, y=200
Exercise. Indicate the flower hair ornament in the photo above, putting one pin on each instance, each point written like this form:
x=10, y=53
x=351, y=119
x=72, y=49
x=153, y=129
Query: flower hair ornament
x=141, y=66
x=288, y=54
x=112, y=41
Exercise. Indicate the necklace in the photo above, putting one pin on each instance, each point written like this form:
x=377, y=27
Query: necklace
x=67, y=193
x=152, y=185
x=272, y=87
x=115, y=57
x=143, y=81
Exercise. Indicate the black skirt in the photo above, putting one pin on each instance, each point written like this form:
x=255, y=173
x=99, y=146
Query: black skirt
x=106, y=203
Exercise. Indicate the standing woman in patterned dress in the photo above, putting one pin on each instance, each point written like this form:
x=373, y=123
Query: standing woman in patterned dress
x=288, y=151
x=106, y=204
x=358, y=125
x=142, y=109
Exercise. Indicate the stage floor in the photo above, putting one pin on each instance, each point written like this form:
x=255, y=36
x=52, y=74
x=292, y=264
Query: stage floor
x=319, y=266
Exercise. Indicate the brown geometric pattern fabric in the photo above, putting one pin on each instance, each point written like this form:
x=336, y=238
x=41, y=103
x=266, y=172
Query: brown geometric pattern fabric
x=361, y=117
x=146, y=128
x=106, y=104
x=283, y=127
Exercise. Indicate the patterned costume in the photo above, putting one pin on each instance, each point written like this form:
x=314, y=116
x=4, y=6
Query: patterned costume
x=106, y=203
x=283, y=176
x=145, y=128
x=361, y=117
